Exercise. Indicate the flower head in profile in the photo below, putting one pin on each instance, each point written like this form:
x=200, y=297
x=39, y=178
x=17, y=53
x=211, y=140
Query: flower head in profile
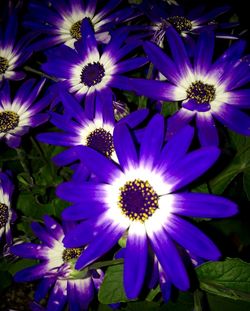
x=19, y=114
x=142, y=198
x=86, y=72
x=13, y=53
x=80, y=130
x=207, y=90
x=56, y=269
x=61, y=20
x=7, y=215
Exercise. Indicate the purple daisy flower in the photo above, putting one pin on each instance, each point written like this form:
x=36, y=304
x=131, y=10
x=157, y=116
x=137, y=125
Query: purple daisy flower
x=142, y=197
x=21, y=113
x=85, y=72
x=207, y=90
x=7, y=215
x=12, y=53
x=56, y=268
x=61, y=20
x=80, y=130
x=187, y=23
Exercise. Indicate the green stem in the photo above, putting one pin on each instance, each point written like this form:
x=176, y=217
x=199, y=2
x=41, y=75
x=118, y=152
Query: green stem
x=38, y=149
x=101, y=264
x=22, y=158
x=198, y=296
x=40, y=73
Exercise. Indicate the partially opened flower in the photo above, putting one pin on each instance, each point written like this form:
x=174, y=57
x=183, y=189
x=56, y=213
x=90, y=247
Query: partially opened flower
x=19, y=114
x=61, y=20
x=81, y=130
x=207, y=90
x=7, y=215
x=56, y=269
x=85, y=72
x=13, y=53
x=141, y=197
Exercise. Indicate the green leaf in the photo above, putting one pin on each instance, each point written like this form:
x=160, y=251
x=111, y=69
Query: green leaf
x=21, y=264
x=239, y=164
x=32, y=208
x=111, y=290
x=246, y=182
x=216, y=302
x=229, y=278
x=143, y=305
x=6, y=280
x=169, y=108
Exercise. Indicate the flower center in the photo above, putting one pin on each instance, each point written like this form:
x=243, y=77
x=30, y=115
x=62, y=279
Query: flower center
x=4, y=64
x=138, y=200
x=102, y=141
x=71, y=253
x=8, y=121
x=201, y=92
x=4, y=215
x=92, y=74
x=180, y=23
x=75, y=30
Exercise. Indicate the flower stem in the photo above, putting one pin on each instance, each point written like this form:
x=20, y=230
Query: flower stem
x=40, y=73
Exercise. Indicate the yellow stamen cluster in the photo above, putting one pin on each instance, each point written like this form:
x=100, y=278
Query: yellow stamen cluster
x=180, y=23
x=71, y=253
x=8, y=121
x=138, y=200
x=4, y=64
x=102, y=141
x=75, y=30
x=201, y=92
x=4, y=215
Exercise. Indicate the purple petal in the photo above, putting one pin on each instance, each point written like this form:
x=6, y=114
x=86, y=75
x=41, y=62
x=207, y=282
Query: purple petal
x=197, y=242
x=135, y=260
x=57, y=297
x=83, y=210
x=98, y=164
x=233, y=118
x=179, y=120
x=126, y=152
x=178, y=51
x=31, y=273
x=155, y=89
x=203, y=205
x=43, y=288
x=83, y=192
x=30, y=250
x=169, y=259
x=177, y=146
x=162, y=62
x=207, y=131
x=152, y=140
x=190, y=167
x=103, y=242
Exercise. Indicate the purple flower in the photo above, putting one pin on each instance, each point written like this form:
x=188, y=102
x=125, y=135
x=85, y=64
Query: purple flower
x=206, y=89
x=81, y=130
x=61, y=20
x=7, y=215
x=188, y=23
x=56, y=269
x=85, y=72
x=17, y=116
x=141, y=197
x=13, y=53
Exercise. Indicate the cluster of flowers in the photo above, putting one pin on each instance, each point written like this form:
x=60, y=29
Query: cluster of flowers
x=131, y=168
